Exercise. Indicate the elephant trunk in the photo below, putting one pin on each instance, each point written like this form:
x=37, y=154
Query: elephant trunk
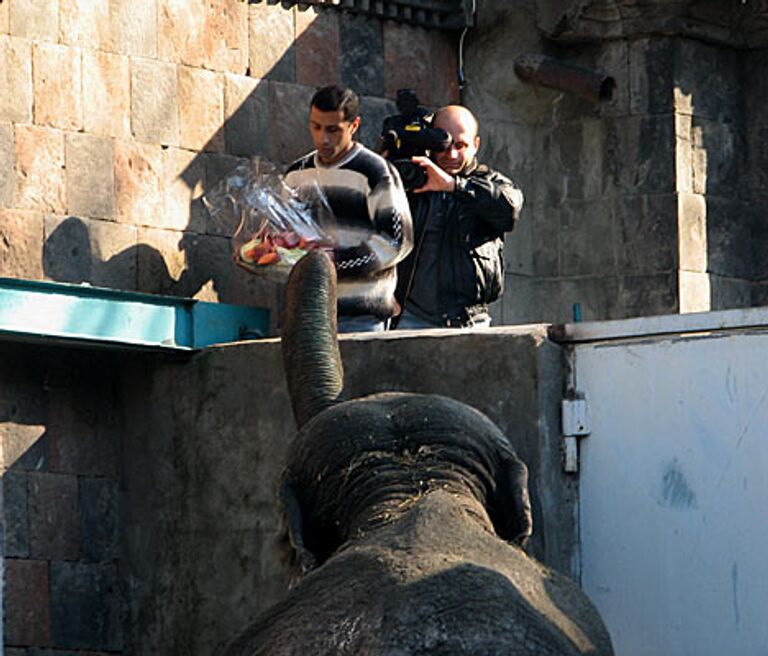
x=311, y=356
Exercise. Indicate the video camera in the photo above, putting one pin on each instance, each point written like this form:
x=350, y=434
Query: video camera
x=408, y=134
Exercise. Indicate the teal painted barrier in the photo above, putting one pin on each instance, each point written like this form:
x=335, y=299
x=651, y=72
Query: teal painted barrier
x=80, y=313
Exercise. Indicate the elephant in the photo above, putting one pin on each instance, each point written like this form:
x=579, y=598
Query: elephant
x=407, y=515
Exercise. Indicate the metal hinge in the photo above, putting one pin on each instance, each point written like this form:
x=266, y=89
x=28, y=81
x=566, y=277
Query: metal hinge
x=575, y=424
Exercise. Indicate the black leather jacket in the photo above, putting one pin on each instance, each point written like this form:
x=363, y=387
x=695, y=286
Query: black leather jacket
x=470, y=259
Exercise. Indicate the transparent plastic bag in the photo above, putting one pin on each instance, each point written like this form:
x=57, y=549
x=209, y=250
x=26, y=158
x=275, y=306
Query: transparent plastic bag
x=274, y=226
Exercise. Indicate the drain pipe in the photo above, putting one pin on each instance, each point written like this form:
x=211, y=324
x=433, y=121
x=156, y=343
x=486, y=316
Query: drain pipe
x=594, y=86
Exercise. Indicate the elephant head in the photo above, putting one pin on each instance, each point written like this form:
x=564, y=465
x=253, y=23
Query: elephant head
x=407, y=513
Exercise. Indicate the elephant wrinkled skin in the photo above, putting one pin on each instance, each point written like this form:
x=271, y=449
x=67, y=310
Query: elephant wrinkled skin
x=406, y=513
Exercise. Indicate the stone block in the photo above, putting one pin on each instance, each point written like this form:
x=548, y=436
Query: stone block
x=106, y=94
x=138, y=183
x=26, y=603
x=271, y=37
x=15, y=515
x=101, y=252
x=289, y=124
x=577, y=156
x=587, y=240
x=21, y=241
x=5, y=17
x=639, y=155
x=613, y=60
x=25, y=447
x=244, y=288
x=759, y=246
x=90, y=175
x=445, y=85
x=133, y=27
x=86, y=606
x=542, y=300
x=645, y=233
x=15, y=80
x=690, y=156
x=154, y=102
x=729, y=238
x=246, y=116
x=756, y=170
x=184, y=181
x=98, y=517
x=82, y=426
x=84, y=23
x=543, y=224
x=114, y=247
x=39, y=156
x=714, y=91
x=13, y=651
x=692, y=231
x=759, y=294
x=317, y=47
x=650, y=294
x=373, y=111
x=35, y=20
x=54, y=522
x=225, y=41
x=57, y=74
x=208, y=266
x=730, y=293
x=67, y=255
x=162, y=262
x=181, y=31
x=408, y=61
x=710, y=156
x=362, y=53
x=694, y=292
x=201, y=109
x=651, y=75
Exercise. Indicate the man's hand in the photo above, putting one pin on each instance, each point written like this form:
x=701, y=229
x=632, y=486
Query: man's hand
x=437, y=179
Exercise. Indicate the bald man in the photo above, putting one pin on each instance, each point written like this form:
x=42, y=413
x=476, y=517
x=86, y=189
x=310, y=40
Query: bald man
x=459, y=217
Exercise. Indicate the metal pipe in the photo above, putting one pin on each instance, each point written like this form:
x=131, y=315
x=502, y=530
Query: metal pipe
x=594, y=86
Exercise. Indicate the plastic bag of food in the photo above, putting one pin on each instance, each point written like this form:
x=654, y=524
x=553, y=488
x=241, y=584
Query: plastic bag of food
x=273, y=225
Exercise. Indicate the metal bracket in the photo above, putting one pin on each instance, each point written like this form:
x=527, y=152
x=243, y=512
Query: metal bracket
x=575, y=424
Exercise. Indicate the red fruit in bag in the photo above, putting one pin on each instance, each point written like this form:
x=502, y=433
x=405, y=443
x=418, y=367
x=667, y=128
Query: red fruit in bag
x=268, y=258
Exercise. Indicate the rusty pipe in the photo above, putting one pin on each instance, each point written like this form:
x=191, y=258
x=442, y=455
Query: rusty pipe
x=594, y=86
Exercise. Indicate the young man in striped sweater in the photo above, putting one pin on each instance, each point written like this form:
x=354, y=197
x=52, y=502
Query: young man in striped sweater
x=366, y=196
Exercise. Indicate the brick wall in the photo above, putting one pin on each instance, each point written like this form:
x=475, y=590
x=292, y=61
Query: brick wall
x=115, y=117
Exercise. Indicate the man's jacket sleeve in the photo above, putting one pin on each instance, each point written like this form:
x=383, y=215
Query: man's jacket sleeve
x=489, y=197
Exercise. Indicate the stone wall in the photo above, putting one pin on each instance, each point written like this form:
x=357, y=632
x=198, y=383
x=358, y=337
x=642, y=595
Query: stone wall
x=140, y=494
x=651, y=202
x=60, y=428
x=117, y=115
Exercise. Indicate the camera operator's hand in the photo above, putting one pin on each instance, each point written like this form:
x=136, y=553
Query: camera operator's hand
x=437, y=179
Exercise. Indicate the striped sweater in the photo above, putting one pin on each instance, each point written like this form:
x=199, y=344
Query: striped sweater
x=373, y=223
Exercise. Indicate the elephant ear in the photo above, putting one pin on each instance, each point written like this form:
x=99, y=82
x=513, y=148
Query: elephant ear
x=510, y=505
x=303, y=559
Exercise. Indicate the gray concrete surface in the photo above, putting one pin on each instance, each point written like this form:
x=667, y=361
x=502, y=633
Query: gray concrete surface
x=206, y=441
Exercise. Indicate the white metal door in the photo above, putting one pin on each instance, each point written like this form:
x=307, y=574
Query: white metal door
x=674, y=492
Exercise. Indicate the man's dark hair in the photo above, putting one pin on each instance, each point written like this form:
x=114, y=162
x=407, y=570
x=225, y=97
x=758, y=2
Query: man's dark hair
x=335, y=98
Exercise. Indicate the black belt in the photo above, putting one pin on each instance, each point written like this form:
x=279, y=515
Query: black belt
x=465, y=318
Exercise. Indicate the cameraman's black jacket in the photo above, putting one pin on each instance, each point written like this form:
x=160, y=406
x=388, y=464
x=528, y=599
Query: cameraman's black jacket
x=469, y=261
